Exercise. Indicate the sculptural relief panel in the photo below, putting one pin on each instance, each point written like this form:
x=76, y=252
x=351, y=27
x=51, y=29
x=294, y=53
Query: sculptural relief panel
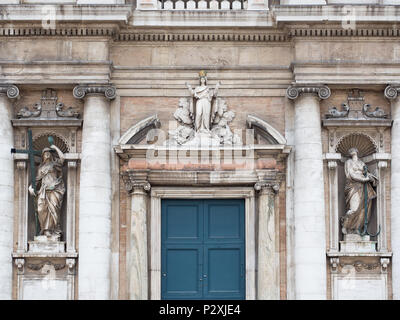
x=135, y=109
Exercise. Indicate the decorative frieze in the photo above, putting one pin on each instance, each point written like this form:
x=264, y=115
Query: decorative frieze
x=81, y=91
x=293, y=92
x=182, y=37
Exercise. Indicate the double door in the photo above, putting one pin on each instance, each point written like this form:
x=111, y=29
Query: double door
x=203, y=255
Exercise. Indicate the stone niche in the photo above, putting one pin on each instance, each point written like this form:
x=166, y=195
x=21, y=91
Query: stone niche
x=44, y=267
x=359, y=263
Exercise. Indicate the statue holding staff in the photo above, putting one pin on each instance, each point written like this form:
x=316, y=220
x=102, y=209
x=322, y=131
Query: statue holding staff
x=359, y=194
x=51, y=189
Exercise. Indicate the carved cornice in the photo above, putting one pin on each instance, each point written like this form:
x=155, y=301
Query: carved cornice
x=392, y=91
x=293, y=92
x=136, y=180
x=9, y=89
x=194, y=36
x=127, y=35
x=81, y=91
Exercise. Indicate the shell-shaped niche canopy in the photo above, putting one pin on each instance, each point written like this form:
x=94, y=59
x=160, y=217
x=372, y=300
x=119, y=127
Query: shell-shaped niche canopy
x=41, y=141
x=364, y=144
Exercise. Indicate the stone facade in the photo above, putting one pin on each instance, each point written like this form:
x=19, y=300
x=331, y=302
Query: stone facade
x=304, y=80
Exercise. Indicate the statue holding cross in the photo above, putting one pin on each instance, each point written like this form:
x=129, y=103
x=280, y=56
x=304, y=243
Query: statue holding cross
x=47, y=188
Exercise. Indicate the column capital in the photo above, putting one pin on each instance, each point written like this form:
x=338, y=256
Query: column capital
x=81, y=91
x=270, y=188
x=136, y=180
x=10, y=90
x=392, y=91
x=294, y=91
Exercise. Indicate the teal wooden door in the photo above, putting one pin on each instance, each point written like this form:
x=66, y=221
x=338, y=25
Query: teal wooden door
x=203, y=249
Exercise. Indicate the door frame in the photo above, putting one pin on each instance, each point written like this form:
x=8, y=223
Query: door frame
x=159, y=193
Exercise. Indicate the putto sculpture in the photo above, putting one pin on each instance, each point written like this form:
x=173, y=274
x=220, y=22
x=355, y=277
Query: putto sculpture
x=203, y=117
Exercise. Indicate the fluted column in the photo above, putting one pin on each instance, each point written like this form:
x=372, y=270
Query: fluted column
x=309, y=208
x=268, y=248
x=137, y=186
x=6, y=189
x=95, y=193
x=391, y=92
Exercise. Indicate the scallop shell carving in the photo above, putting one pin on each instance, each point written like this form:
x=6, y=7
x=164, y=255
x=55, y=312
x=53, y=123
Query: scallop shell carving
x=364, y=143
x=41, y=141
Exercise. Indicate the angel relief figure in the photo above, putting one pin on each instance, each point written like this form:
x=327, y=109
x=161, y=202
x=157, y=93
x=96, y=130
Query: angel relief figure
x=203, y=114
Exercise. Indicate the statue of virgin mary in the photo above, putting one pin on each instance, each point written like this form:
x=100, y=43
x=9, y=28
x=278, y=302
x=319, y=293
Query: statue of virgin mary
x=204, y=107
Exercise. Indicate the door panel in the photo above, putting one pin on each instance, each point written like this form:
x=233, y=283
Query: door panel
x=181, y=268
x=183, y=221
x=224, y=221
x=224, y=269
x=203, y=249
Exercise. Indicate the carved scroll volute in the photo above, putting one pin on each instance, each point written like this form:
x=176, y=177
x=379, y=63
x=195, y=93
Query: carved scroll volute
x=10, y=90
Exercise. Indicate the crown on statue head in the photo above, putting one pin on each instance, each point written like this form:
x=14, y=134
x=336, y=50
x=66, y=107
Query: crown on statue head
x=202, y=73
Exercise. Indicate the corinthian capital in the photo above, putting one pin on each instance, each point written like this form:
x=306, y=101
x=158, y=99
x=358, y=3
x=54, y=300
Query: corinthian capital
x=323, y=92
x=392, y=91
x=9, y=89
x=82, y=90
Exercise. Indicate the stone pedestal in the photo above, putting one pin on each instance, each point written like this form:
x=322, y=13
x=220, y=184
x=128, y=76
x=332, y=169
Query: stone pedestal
x=354, y=243
x=42, y=244
x=95, y=193
x=309, y=204
x=6, y=189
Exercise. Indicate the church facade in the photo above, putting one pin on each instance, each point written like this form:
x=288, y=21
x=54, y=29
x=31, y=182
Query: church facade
x=199, y=149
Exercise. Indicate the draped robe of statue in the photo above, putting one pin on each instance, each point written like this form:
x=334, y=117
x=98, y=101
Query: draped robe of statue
x=353, y=220
x=50, y=195
x=204, y=108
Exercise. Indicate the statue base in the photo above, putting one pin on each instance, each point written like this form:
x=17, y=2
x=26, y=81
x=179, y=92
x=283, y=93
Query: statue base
x=355, y=243
x=44, y=244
